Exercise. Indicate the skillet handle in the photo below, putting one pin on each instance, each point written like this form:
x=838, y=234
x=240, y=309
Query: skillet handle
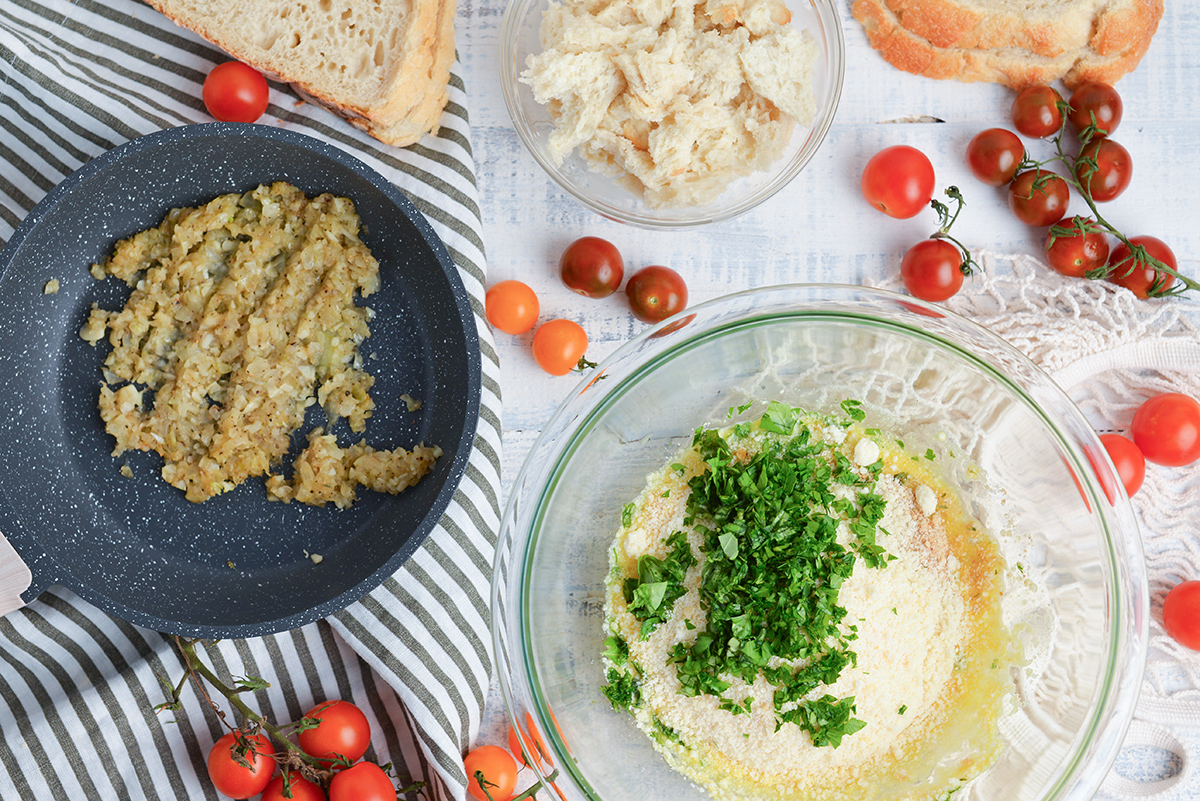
x=15, y=577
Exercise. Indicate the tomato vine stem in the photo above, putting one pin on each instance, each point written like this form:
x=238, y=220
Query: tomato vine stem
x=1087, y=165
x=946, y=220
x=292, y=758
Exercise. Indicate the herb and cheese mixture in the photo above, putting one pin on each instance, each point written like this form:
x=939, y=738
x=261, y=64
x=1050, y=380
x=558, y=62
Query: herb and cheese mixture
x=797, y=608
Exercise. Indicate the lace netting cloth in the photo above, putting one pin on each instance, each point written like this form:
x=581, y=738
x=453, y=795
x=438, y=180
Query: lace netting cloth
x=1110, y=351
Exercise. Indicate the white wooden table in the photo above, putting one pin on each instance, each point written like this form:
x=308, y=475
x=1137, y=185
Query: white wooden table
x=818, y=229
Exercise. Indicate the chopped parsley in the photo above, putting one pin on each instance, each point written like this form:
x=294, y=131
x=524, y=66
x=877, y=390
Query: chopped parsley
x=616, y=650
x=772, y=572
x=627, y=515
x=622, y=690
x=853, y=410
x=659, y=583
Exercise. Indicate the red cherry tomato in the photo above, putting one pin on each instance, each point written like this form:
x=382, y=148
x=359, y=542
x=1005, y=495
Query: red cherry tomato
x=1078, y=252
x=364, y=781
x=932, y=270
x=1038, y=197
x=1035, y=111
x=235, y=92
x=511, y=306
x=1166, y=428
x=994, y=155
x=1138, y=275
x=234, y=779
x=559, y=345
x=499, y=771
x=592, y=266
x=655, y=293
x=1105, y=168
x=1096, y=103
x=342, y=731
x=1181, y=614
x=300, y=788
x=898, y=181
x=1128, y=459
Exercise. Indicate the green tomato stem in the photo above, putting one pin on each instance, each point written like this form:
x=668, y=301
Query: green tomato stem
x=196, y=667
x=1138, y=253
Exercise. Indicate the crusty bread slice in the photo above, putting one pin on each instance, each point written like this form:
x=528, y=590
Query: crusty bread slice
x=370, y=60
x=1045, y=27
x=1107, y=54
x=424, y=116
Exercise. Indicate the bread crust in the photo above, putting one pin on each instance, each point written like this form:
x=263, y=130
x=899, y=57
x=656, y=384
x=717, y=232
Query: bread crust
x=407, y=103
x=425, y=115
x=1114, y=49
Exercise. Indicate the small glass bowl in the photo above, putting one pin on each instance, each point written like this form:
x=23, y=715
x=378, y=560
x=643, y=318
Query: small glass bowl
x=1024, y=460
x=519, y=38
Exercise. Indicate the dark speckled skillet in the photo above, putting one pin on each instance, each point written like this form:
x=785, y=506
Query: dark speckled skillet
x=235, y=565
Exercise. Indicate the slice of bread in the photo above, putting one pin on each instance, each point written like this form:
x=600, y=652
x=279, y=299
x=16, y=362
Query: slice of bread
x=382, y=64
x=1045, y=27
x=1113, y=46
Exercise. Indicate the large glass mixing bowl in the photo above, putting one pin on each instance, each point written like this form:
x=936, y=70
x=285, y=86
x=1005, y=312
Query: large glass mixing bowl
x=1024, y=460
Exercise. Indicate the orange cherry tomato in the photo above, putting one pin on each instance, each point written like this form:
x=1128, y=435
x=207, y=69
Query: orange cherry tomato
x=558, y=345
x=498, y=769
x=531, y=739
x=511, y=306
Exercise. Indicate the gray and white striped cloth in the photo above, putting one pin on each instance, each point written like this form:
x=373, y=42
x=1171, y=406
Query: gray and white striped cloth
x=78, y=687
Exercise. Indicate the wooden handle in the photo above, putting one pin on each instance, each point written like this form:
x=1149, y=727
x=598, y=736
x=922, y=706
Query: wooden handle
x=15, y=577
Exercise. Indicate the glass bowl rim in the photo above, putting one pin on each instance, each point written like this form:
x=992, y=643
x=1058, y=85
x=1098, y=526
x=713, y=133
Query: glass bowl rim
x=1097, y=741
x=645, y=218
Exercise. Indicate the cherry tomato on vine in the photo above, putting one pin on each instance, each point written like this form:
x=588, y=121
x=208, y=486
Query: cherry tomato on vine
x=1076, y=253
x=1038, y=197
x=559, y=345
x=235, y=92
x=932, y=270
x=592, y=267
x=994, y=155
x=1128, y=459
x=234, y=779
x=343, y=730
x=1138, y=275
x=1181, y=614
x=300, y=788
x=511, y=306
x=1112, y=171
x=655, y=293
x=499, y=771
x=1099, y=102
x=364, y=781
x=1035, y=111
x=898, y=181
x=1166, y=428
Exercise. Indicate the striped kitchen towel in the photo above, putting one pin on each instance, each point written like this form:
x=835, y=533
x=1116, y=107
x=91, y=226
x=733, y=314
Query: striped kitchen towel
x=78, y=688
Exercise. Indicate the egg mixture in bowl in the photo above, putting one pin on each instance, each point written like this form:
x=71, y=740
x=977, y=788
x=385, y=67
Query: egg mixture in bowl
x=820, y=542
